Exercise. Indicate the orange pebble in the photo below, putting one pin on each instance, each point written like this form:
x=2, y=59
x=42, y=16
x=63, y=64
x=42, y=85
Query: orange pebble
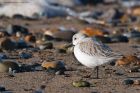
x=30, y=38
x=128, y=60
x=49, y=65
x=93, y=32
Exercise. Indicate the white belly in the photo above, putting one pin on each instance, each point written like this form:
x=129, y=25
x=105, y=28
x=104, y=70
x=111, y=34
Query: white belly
x=87, y=60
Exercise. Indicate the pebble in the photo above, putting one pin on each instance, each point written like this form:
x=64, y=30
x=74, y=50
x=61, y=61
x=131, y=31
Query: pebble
x=7, y=44
x=48, y=45
x=135, y=11
x=47, y=38
x=61, y=50
x=134, y=69
x=56, y=68
x=12, y=29
x=128, y=82
x=3, y=34
x=118, y=38
x=60, y=35
x=56, y=65
x=6, y=64
x=128, y=60
x=81, y=84
x=21, y=44
x=30, y=38
x=103, y=39
x=2, y=88
x=93, y=32
x=132, y=34
x=25, y=55
x=136, y=82
x=3, y=56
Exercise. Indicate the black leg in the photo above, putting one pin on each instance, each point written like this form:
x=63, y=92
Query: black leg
x=97, y=73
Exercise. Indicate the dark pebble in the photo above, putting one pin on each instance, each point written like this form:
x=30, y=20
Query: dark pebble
x=48, y=45
x=128, y=82
x=12, y=29
x=3, y=56
x=103, y=39
x=118, y=38
x=47, y=37
x=61, y=51
x=2, y=89
x=25, y=55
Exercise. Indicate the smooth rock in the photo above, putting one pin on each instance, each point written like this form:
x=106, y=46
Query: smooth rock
x=134, y=69
x=128, y=82
x=7, y=44
x=118, y=38
x=5, y=65
x=93, y=32
x=103, y=39
x=12, y=29
x=3, y=56
x=126, y=60
x=136, y=82
x=30, y=38
x=2, y=88
x=81, y=84
x=21, y=44
x=61, y=50
x=60, y=35
x=47, y=45
x=25, y=55
x=47, y=38
x=132, y=34
x=54, y=65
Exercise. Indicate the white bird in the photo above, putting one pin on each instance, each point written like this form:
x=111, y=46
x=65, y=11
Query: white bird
x=92, y=53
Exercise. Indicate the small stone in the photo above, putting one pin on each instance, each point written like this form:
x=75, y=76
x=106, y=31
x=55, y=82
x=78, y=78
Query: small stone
x=12, y=29
x=132, y=34
x=2, y=89
x=3, y=56
x=126, y=60
x=81, y=84
x=60, y=35
x=103, y=39
x=47, y=45
x=30, y=38
x=61, y=50
x=47, y=38
x=136, y=82
x=3, y=34
x=6, y=64
x=54, y=65
x=60, y=72
x=22, y=44
x=128, y=82
x=135, y=69
x=118, y=38
x=93, y=32
x=25, y=55
x=7, y=44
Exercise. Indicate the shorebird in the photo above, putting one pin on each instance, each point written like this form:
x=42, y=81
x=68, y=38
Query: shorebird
x=91, y=52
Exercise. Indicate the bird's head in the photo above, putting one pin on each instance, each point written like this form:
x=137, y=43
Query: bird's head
x=77, y=38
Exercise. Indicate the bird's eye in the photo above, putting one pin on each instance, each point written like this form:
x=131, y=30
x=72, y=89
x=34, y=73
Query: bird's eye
x=75, y=38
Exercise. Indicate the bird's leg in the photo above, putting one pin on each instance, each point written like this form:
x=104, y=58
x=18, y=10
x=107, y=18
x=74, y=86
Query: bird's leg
x=97, y=72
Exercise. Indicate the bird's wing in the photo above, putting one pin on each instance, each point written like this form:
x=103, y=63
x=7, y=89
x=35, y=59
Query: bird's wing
x=94, y=48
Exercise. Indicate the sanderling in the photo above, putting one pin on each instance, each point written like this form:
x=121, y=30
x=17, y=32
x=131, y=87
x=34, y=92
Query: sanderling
x=91, y=52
